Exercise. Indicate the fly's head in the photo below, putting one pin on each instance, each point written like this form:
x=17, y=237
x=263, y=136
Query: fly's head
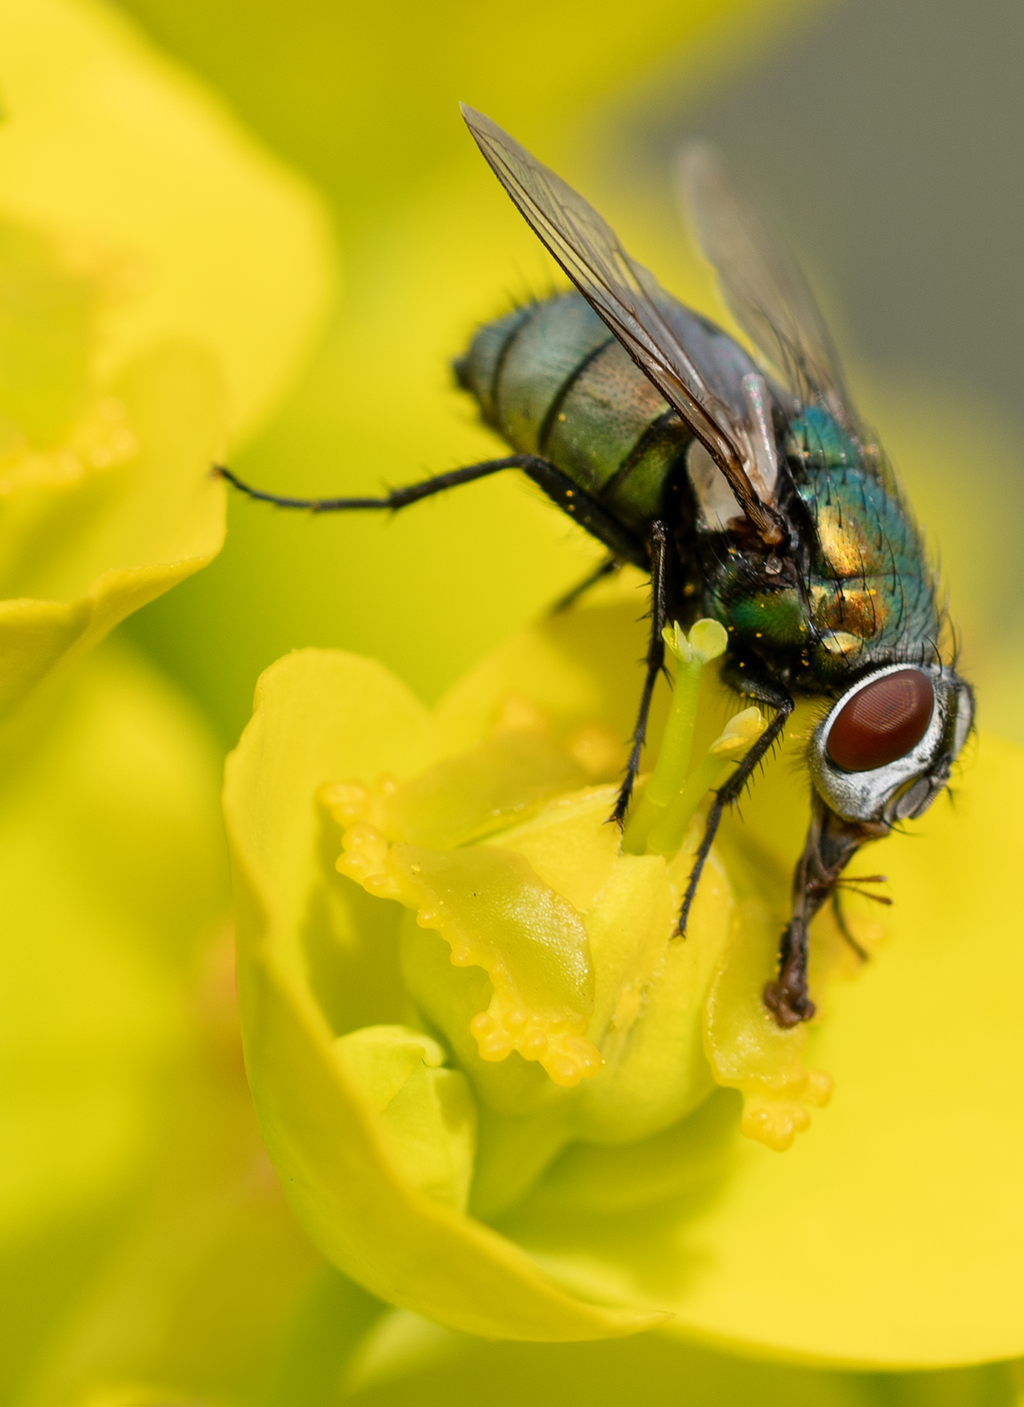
x=880, y=755
x=885, y=748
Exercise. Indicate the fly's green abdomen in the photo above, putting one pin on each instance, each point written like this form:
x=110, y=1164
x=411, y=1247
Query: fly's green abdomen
x=553, y=381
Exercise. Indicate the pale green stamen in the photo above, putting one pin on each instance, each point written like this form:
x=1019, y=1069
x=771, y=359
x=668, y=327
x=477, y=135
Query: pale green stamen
x=666, y=835
x=661, y=816
x=707, y=640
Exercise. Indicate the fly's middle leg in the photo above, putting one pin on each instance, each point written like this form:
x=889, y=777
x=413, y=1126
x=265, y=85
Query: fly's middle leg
x=659, y=565
x=764, y=692
x=607, y=568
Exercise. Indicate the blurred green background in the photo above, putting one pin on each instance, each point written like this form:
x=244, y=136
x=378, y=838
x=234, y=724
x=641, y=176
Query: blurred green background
x=880, y=136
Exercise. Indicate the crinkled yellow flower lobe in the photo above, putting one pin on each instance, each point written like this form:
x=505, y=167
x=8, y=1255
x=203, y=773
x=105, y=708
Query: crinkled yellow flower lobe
x=506, y=851
x=891, y=1234
x=159, y=280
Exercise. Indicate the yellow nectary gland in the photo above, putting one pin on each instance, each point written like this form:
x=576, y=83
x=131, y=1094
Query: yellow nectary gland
x=495, y=913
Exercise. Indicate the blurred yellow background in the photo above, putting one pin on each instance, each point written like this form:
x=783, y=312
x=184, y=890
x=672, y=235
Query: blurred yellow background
x=857, y=125
x=880, y=134
x=366, y=103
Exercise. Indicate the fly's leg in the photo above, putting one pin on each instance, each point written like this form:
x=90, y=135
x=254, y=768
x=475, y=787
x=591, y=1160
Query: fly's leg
x=831, y=844
x=572, y=500
x=608, y=567
x=844, y=927
x=775, y=697
x=787, y=998
x=575, y=502
x=659, y=566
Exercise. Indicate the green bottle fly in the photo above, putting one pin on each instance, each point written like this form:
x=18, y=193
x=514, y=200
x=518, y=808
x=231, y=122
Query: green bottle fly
x=750, y=492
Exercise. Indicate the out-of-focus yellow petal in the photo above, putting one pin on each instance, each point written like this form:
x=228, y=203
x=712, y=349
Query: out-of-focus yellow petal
x=112, y=147
x=76, y=558
x=321, y=716
x=99, y=823
x=404, y=1359
x=143, y=1235
x=160, y=279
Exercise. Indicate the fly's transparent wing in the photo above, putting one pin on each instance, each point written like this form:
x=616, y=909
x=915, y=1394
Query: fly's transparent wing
x=762, y=284
x=625, y=295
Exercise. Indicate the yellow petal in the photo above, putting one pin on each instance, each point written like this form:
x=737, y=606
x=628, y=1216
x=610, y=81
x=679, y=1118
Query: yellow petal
x=426, y=1112
x=143, y=1235
x=569, y=666
x=110, y=146
x=321, y=715
x=892, y=1234
x=404, y=1359
x=466, y=797
x=160, y=280
x=495, y=912
x=99, y=821
x=76, y=559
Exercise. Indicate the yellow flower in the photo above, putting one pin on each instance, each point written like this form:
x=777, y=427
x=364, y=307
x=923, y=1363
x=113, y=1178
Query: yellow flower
x=890, y=1235
x=149, y=1256
x=159, y=282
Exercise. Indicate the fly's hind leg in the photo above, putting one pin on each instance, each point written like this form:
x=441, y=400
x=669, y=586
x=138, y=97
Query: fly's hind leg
x=562, y=491
x=659, y=568
x=764, y=691
x=608, y=567
x=578, y=505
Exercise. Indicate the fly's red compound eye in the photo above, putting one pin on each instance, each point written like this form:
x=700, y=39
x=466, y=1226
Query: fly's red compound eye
x=882, y=721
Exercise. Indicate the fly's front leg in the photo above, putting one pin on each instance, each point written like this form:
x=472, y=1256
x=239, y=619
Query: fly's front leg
x=787, y=997
x=844, y=928
x=775, y=697
x=608, y=567
x=831, y=844
x=659, y=562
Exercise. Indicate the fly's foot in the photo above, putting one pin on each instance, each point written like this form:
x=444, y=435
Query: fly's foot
x=787, y=997
x=789, y=1004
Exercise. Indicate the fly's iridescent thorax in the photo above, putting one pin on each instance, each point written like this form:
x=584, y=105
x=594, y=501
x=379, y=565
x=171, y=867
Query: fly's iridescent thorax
x=872, y=593
x=860, y=591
